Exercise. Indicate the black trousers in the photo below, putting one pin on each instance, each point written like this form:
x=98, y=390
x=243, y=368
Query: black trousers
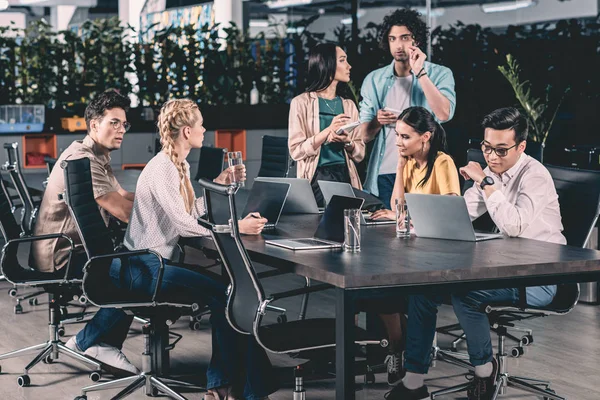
x=333, y=173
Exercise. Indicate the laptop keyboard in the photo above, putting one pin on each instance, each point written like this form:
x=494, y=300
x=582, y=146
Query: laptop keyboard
x=311, y=242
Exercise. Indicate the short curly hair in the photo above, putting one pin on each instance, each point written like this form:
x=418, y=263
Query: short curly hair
x=105, y=101
x=412, y=20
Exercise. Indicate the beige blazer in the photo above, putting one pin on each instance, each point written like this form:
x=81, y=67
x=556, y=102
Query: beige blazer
x=304, y=125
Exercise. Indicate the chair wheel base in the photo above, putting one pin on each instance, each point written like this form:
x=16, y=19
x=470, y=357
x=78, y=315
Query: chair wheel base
x=23, y=381
x=95, y=376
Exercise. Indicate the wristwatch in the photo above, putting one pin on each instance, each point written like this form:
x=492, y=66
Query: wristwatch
x=486, y=181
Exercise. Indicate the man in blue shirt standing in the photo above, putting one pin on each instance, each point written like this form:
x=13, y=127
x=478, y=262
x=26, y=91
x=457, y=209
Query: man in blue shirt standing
x=408, y=81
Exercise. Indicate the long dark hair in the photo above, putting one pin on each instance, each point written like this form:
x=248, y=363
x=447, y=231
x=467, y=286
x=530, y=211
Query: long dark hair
x=322, y=64
x=423, y=121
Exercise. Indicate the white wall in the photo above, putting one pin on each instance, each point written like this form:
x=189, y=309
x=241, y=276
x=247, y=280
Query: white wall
x=18, y=18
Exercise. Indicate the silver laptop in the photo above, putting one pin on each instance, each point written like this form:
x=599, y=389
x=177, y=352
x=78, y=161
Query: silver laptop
x=300, y=200
x=443, y=217
x=330, y=189
x=268, y=199
x=330, y=232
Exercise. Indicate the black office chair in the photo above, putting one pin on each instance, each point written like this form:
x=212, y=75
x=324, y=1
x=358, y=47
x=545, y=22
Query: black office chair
x=247, y=303
x=275, y=158
x=50, y=162
x=579, y=198
x=59, y=285
x=210, y=164
x=29, y=206
x=100, y=290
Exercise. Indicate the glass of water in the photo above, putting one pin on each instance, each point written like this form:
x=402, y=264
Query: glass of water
x=402, y=219
x=352, y=230
x=235, y=158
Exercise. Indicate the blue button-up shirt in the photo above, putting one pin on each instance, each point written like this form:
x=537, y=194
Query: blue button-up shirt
x=374, y=91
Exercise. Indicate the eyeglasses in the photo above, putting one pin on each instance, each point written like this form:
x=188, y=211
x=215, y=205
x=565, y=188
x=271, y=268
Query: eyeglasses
x=402, y=38
x=116, y=124
x=500, y=151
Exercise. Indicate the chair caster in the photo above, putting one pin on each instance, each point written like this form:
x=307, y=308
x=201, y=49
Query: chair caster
x=33, y=301
x=95, y=376
x=61, y=331
x=18, y=309
x=282, y=319
x=526, y=340
x=517, y=352
x=195, y=325
x=0, y=369
x=153, y=392
x=551, y=391
x=369, y=378
x=48, y=360
x=84, y=397
x=23, y=381
x=12, y=292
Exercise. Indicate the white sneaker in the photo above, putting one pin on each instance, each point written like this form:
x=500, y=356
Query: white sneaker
x=112, y=359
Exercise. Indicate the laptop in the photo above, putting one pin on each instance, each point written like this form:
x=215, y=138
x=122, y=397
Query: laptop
x=300, y=200
x=330, y=232
x=268, y=199
x=330, y=189
x=443, y=217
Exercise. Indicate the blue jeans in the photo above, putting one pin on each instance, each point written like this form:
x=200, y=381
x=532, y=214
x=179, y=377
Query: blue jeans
x=385, y=184
x=422, y=317
x=228, y=346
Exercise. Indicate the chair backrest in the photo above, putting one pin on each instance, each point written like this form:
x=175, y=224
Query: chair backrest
x=246, y=293
x=7, y=194
x=28, y=210
x=211, y=162
x=79, y=196
x=50, y=163
x=8, y=225
x=275, y=159
x=474, y=155
x=579, y=197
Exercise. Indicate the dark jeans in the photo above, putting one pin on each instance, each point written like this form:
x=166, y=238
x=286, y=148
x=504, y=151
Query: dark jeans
x=422, y=317
x=385, y=184
x=332, y=173
x=229, y=348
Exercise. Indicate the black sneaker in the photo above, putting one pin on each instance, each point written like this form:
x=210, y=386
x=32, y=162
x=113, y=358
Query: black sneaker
x=395, y=372
x=483, y=388
x=400, y=392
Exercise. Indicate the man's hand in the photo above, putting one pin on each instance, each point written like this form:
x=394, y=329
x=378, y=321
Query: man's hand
x=472, y=171
x=386, y=117
x=253, y=224
x=226, y=177
x=417, y=59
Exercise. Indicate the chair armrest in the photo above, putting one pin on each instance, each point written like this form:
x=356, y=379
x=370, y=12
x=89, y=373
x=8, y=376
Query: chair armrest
x=295, y=292
x=127, y=255
x=30, y=239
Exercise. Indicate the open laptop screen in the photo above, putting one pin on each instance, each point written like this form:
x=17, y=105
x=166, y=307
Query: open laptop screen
x=331, y=226
x=268, y=199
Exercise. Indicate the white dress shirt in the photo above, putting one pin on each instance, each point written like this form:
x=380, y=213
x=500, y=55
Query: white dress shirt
x=159, y=217
x=525, y=203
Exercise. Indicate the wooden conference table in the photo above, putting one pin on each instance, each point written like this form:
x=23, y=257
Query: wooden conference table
x=387, y=264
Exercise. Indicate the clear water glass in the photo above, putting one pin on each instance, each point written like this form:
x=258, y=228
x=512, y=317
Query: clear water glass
x=402, y=219
x=235, y=158
x=352, y=230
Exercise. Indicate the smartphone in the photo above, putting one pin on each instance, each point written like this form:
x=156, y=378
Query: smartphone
x=346, y=129
x=392, y=110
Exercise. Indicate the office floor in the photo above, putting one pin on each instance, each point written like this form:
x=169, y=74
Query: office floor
x=565, y=351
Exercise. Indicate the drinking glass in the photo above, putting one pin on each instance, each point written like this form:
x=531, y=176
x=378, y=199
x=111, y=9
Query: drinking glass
x=235, y=158
x=352, y=230
x=402, y=219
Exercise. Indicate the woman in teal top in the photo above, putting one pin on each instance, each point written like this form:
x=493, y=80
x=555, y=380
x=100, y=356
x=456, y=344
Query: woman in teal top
x=317, y=115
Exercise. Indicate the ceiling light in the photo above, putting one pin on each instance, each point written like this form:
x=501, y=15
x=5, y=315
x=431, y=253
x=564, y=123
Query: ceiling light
x=507, y=6
x=348, y=21
x=286, y=3
x=435, y=12
x=3, y=5
x=259, y=23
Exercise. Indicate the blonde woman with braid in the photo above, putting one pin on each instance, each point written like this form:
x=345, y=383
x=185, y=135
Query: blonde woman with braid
x=166, y=209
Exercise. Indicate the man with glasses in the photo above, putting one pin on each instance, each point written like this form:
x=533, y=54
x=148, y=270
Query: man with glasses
x=519, y=194
x=408, y=81
x=103, y=336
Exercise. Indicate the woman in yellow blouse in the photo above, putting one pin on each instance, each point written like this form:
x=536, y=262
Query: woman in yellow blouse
x=423, y=167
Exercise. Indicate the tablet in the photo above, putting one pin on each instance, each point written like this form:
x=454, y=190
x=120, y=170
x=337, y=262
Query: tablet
x=347, y=128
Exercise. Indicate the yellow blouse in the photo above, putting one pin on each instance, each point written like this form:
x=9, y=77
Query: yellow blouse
x=443, y=179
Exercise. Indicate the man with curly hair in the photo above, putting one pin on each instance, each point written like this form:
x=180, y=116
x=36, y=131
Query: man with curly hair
x=105, y=116
x=408, y=81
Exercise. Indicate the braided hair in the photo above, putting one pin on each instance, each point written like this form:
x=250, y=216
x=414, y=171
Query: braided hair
x=174, y=115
